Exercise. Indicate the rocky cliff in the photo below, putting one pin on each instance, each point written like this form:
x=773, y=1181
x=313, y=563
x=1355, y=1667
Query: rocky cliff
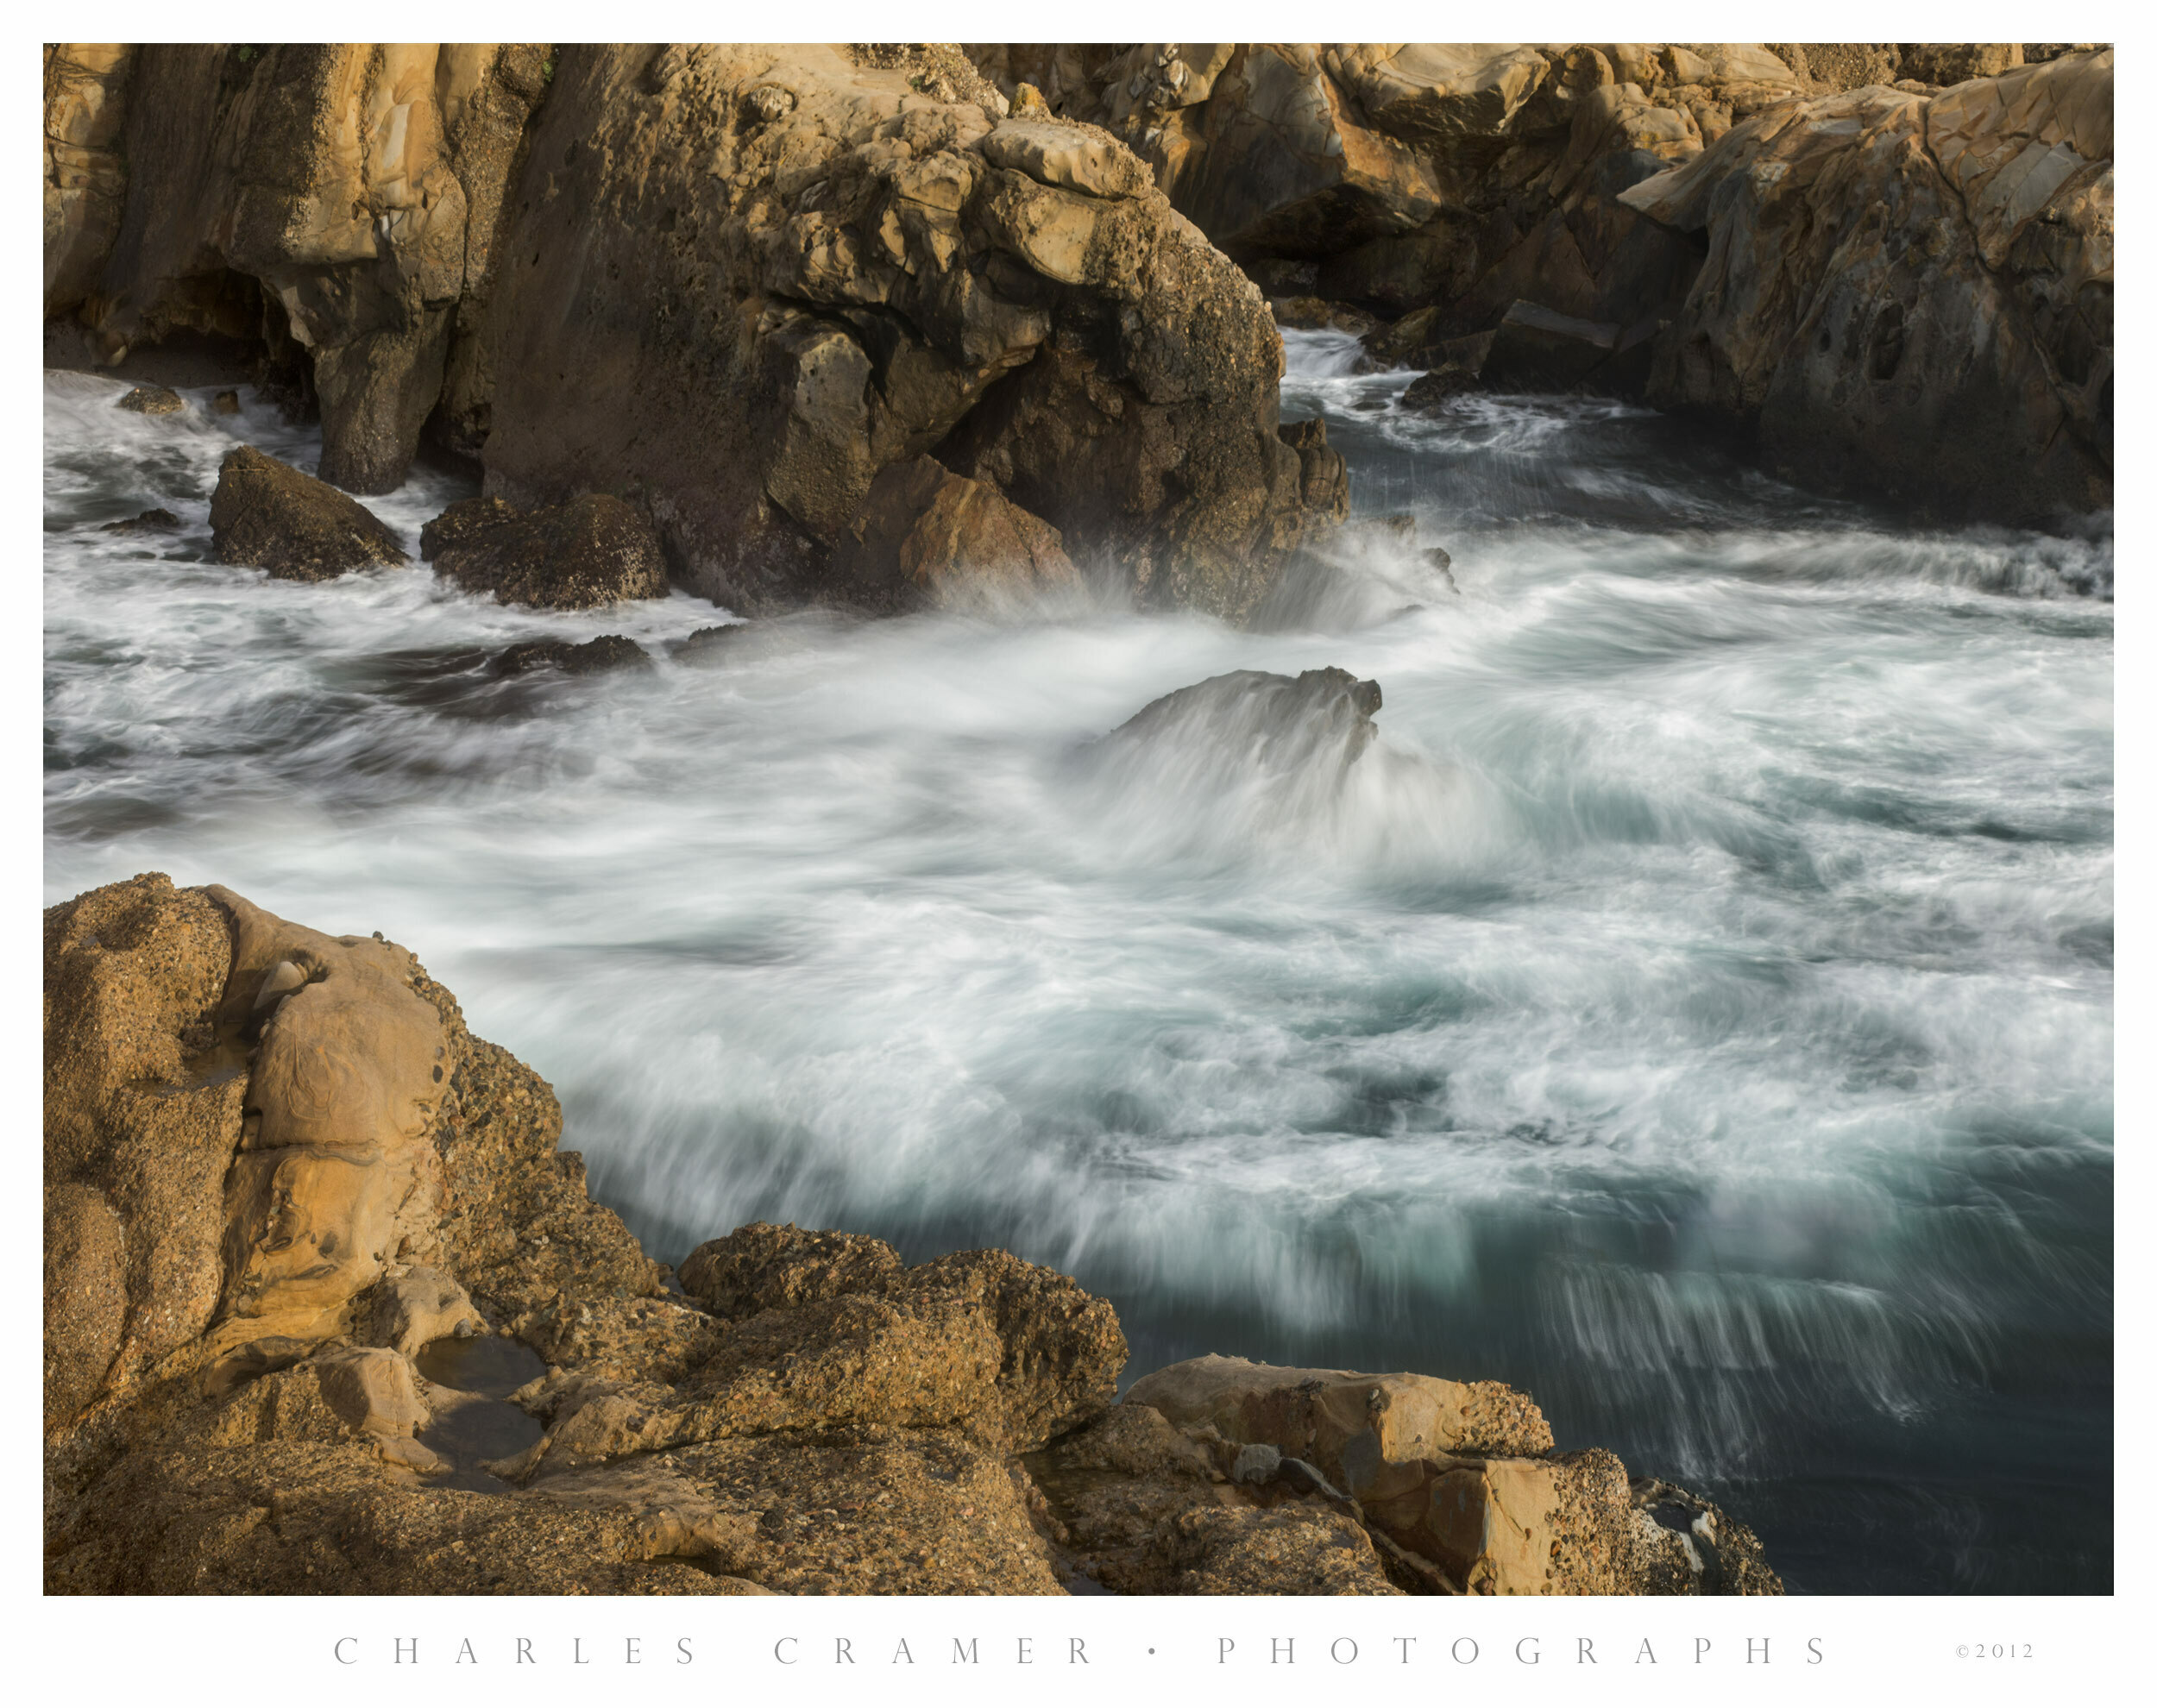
x=326, y=1310
x=1890, y=263
x=731, y=286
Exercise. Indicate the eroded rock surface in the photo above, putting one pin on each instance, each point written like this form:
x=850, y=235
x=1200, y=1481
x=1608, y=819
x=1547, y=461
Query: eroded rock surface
x=327, y=1310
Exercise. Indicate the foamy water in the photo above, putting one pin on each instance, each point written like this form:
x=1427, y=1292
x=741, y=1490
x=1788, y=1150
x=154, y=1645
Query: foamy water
x=1696, y=1008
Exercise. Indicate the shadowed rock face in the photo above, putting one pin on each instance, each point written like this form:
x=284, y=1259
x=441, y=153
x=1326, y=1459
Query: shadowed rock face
x=304, y=1235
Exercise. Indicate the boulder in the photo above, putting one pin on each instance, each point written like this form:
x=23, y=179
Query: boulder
x=584, y=659
x=1431, y=391
x=1346, y=1424
x=1321, y=717
x=1909, y=296
x=1325, y=483
x=152, y=400
x=924, y=534
x=588, y=551
x=158, y=521
x=225, y=403
x=759, y=1266
x=265, y=514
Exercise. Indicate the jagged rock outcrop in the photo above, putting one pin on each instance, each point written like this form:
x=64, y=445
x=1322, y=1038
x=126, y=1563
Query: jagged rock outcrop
x=326, y=1310
x=1910, y=295
x=730, y=286
x=751, y=342
x=331, y=207
x=1884, y=250
x=268, y=515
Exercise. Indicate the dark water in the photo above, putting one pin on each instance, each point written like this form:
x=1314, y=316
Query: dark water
x=1696, y=1008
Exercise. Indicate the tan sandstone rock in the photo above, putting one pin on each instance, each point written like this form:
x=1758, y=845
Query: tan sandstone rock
x=1910, y=296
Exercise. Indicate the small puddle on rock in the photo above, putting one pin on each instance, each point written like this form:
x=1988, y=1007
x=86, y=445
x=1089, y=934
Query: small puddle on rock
x=474, y=1420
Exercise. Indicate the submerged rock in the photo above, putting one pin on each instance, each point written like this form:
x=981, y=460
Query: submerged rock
x=590, y=551
x=268, y=515
x=158, y=521
x=584, y=659
x=1288, y=719
x=273, y=1276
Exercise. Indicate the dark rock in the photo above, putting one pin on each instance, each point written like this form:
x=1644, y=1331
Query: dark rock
x=160, y=521
x=152, y=400
x=586, y=658
x=1428, y=392
x=1314, y=314
x=1536, y=350
x=225, y=403
x=589, y=551
x=266, y=514
x=1292, y=720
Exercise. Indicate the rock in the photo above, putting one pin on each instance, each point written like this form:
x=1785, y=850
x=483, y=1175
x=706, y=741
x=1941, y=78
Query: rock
x=338, y=1176
x=1141, y=1508
x=1537, y=350
x=232, y=1403
x=1315, y=314
x=421, y=1305
x=1429, y=391
x=152, y=400
x=1325, y=483
x=1012, y=295
x=925, y=535
x=143, y=1119
x=327, y=207
x=758, y=1267
x=225, y=403
x=1944, y=63
x=1345, y=1423
x=1909, y=296
x=268, y=515
x=1321, y=718
x=588, y=551
x=461, y=523
x=86, y=163
x=586, y=658
x=159, y=521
